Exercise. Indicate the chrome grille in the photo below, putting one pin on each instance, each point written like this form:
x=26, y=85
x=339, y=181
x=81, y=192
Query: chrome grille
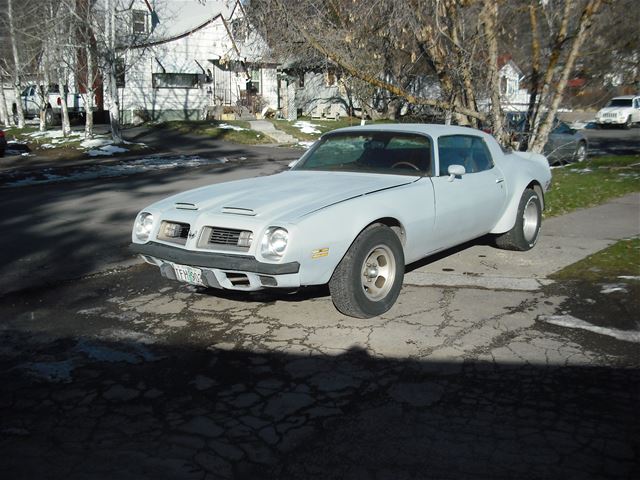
x=224, y=236
x=226, y=239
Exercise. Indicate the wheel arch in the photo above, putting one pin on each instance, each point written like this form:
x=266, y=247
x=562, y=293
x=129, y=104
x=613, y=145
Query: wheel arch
x=508, y=219
x=394, y=224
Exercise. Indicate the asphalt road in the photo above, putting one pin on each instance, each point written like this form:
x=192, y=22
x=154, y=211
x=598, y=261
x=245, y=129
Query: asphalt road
x=613, y=141
x=479, y=371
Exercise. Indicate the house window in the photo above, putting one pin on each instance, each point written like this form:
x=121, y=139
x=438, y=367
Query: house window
x=330, y=78
x=254, y=82
x=138, y=22
x=174, y=80
x=120, y=73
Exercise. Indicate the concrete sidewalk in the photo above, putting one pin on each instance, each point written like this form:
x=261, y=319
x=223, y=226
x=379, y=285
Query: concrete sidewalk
x=270, y=130
x=564, y=240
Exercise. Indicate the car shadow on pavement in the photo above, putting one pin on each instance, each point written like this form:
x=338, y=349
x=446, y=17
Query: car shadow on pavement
x=79, y=407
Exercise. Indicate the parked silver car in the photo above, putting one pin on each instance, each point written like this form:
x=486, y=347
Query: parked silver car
x=361, y=204
x=565, y=144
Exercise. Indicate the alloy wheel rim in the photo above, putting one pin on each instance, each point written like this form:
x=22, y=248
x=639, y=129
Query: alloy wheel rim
x=378, y=273
x=530, y=220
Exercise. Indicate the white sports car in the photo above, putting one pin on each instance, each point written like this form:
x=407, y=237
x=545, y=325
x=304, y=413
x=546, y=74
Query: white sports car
x=356, y=208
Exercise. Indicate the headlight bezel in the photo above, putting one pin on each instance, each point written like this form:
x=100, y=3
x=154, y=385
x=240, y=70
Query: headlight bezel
x=274, y=243
x=143, y=226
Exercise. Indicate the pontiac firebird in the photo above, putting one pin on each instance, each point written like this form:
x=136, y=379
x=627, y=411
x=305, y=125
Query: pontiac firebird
x=353, y=211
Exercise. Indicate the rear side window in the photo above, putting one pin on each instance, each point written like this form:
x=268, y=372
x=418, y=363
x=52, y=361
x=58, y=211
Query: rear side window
x=467, y=150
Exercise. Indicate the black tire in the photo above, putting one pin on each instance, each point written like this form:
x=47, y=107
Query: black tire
x=50, y=118
x=580, y=155
x=368, y=279
x=627, y=124
x=524, y=234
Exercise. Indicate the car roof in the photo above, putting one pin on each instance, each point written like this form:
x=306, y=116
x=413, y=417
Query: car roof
x=625, y=97
x=431, y=129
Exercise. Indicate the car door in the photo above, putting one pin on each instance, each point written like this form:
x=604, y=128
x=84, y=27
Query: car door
x=469, y=205
x=636, y=109
x=561, y=143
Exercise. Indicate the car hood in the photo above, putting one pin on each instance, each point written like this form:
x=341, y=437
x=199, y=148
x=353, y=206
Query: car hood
x=615, y=110
x=290, y=194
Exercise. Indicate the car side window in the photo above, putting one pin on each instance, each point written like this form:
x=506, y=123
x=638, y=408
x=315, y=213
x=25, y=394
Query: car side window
x=469, y=151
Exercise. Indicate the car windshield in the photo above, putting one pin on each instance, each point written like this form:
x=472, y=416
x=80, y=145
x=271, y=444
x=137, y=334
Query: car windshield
x=620, y=102
x=371, y=152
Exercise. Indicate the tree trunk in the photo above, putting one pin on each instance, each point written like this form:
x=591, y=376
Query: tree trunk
x=19, y=111
x=489, y=17
x=64, y=110
x=89, y=95
x=114, y=107
x=4, y=112
x=541, y=136
x=112, y=88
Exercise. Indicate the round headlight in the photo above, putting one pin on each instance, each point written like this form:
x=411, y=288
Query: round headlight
x=274, y=242
x=144, y=224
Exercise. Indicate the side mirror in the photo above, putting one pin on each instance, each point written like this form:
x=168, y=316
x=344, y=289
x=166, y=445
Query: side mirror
x=455, y=171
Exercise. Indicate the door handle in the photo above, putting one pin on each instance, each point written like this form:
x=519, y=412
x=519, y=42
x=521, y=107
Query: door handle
x=499, y=180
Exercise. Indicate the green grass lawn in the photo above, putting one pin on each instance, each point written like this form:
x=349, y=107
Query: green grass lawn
x=592, y=183
x=215, y=129
x=322, y=126
x=620, y=259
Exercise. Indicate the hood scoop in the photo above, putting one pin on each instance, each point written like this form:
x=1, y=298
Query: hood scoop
x=247, y=212
x=186, y=206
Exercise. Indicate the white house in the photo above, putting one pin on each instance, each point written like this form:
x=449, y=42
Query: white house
x=194, y=57
x=512, y=97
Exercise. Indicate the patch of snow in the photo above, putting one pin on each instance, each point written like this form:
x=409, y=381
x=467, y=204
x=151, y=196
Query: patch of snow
x=107, y=150
x=573, y=322
x=629, y=277
x=306, y=145
x=146, y=164
x=96, y=142
x=613, y=287
x=307, y=127
x=226, y=126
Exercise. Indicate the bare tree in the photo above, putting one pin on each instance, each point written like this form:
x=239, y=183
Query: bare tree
x=17, y=65
x=455, y=42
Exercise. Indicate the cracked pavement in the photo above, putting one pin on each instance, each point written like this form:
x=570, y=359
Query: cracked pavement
x=127, y=375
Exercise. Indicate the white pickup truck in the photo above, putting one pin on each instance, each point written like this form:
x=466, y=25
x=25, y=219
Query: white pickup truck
x=32, y=100
x=622, y=111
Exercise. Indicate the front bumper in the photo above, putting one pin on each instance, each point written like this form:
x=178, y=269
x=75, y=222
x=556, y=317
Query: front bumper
x=611, y=121
x=219, y=270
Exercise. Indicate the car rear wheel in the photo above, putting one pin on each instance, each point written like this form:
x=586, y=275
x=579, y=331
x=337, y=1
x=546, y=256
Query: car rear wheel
x=580, y=155
x=524, y=234
x=368, y=279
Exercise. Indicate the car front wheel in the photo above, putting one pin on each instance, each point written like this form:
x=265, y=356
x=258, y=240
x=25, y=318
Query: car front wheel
x=368, y=279
x=627, y=124
x=580, y=155
x=524, y=234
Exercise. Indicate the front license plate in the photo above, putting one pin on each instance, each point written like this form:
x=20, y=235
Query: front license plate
x=188, y=274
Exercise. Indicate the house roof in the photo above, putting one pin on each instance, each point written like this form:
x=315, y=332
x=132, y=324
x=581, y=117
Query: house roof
x=177, y=18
